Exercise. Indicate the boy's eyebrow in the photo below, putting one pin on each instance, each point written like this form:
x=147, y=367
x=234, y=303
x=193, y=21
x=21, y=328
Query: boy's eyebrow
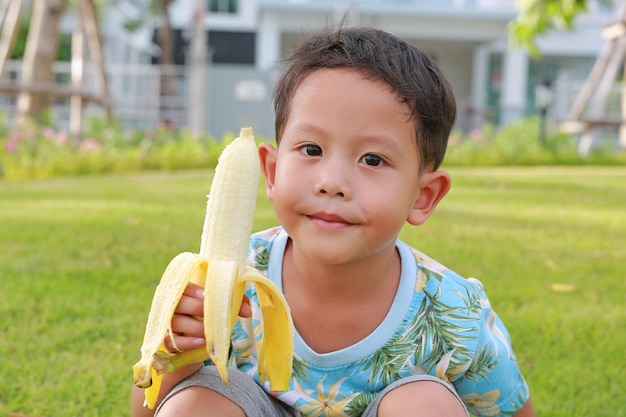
x=382, y=138
x=306, y=127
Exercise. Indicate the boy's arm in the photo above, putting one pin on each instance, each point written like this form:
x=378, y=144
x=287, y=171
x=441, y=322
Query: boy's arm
x=169, y=381
x=527, y=410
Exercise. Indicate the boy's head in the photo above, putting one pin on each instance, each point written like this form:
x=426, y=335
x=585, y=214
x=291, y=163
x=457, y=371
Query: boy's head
x=378, y=55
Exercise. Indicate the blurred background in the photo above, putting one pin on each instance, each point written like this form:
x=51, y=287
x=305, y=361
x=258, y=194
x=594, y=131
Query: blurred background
x=101, y=101
x=209, y=65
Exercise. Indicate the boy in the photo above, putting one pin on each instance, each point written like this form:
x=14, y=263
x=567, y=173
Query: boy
x=362, y=122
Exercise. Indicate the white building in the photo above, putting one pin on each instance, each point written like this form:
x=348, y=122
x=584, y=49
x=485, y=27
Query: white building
x=468, y=38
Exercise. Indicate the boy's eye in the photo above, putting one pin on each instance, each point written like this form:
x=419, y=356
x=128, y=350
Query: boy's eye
x=372, y=160
x=312, y=150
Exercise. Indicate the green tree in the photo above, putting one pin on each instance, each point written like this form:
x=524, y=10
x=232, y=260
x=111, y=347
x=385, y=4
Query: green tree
x=537, y=17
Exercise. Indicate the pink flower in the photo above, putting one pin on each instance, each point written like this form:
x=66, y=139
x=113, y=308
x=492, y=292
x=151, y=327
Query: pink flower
x=10, y=146
x=61, y=138
x=48, y=133
x=12, y=143
x=89, y=145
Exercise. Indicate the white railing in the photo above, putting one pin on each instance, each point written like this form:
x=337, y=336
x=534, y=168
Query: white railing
x=139, y=100
x=138, y=93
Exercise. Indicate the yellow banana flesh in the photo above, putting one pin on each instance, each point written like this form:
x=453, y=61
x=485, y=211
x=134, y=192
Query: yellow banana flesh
x=221, y=269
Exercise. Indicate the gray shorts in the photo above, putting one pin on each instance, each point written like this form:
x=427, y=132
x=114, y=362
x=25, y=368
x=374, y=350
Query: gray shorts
x=247, y=394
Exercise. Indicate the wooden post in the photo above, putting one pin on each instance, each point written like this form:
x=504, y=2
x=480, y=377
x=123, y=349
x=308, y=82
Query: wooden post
x=13, y=8
x=597, y=106
x=599, y=82
x=196, y=86
x=39, y=57
x=592, y=81
x=37, y=84
x=77, y=70
x=4, y=8
x=622, y=127
x=90, y=25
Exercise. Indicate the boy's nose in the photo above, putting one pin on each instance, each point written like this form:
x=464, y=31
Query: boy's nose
x=322, y=189
x=332, y=181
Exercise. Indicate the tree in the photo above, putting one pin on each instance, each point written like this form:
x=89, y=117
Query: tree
x=165, y=33
x=37, y=84
x=165, y=36
x=39, y=55
x=165, y=40
x=536, y=17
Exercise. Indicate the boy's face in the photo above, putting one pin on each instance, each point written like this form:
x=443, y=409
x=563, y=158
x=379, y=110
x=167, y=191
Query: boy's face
x=346, y=176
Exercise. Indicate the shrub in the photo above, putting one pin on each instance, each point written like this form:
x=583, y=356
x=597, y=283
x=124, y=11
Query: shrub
x=41, y=151
x=519, y=144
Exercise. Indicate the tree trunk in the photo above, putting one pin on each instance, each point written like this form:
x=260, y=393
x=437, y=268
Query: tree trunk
x=10, y=28
x=165, y=36
x=90, y=25
x=197, y=71
x=39, y=56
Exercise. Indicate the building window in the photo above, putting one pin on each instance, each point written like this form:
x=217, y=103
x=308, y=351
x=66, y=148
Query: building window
x=222, y=6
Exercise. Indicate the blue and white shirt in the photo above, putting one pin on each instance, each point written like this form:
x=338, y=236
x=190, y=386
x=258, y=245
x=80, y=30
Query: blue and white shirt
x=439, y=324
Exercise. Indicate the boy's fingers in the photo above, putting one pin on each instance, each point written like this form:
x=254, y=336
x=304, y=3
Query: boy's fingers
x=194, y=290
x=190, y=305
x=188, y=334
x=187, y=320
x=245, y=310
x=185, y=325
x=183, y=343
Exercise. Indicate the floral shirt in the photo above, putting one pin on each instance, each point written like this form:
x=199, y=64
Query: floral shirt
x=440, y=324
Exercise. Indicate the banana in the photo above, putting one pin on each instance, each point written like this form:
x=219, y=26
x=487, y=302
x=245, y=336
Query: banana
x=220, y=267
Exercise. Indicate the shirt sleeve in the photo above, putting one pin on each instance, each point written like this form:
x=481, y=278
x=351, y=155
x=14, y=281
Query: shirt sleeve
x=493, y=384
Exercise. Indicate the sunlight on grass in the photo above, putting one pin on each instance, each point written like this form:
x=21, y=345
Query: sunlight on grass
x=80, y=259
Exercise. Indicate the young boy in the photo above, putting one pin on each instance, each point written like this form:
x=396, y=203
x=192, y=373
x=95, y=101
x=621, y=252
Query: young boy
x=362, y=123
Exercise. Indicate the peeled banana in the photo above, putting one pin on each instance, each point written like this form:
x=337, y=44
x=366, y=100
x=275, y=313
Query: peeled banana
x=220, y=267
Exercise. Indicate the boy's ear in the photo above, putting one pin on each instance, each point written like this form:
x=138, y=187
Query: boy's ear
x=267, y=156
x=433, y=187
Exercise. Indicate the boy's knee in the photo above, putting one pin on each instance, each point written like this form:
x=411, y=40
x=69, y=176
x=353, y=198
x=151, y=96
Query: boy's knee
x=199, y=401
x=421, y=399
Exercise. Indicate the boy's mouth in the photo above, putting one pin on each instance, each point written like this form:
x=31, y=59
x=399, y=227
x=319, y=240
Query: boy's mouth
x=329, y=220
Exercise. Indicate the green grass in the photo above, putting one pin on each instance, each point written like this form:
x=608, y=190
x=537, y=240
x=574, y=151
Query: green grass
x=80, y=258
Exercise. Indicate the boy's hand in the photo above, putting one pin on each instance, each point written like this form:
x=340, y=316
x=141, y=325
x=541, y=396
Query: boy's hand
x=187, y=320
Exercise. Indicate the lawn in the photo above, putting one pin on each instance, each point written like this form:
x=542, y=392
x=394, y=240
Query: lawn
x=80, y=258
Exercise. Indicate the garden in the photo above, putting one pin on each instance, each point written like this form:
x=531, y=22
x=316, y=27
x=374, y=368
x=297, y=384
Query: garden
x=87, y=227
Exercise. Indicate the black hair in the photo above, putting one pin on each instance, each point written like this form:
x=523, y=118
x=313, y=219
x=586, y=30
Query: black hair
x=411, y=73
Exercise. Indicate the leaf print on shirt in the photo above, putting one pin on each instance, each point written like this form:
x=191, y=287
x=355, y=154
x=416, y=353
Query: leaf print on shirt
x=262, y=260
x=436, y=333
x=243, y=339
x=387, y=362
x=357, y=406
x=300, y=369
x=484, y=361
x=247, y=335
